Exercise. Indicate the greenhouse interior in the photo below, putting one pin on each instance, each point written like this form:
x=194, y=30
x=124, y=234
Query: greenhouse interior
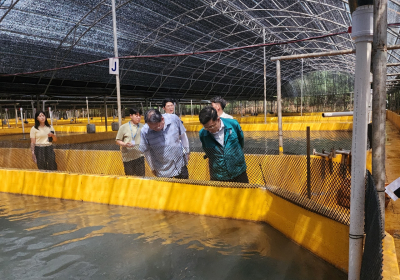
x=203, y=139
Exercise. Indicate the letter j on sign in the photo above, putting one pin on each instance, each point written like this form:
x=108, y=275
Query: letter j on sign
x=113, y=65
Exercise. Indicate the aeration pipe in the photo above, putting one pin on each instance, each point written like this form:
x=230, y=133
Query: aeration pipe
x=338, y=114
x=362, y=34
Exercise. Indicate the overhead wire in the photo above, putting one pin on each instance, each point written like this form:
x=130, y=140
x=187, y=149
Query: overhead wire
x=188, y=53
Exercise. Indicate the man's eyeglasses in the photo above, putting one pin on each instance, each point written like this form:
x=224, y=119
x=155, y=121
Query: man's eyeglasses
x=213, y=126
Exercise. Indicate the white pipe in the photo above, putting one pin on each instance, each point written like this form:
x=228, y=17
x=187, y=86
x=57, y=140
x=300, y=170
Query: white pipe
x=87, y=109
x=279, y=105
x=337, y=114
x=362, y=34
x=51, y=116
x=23, y=127
x=114, y=16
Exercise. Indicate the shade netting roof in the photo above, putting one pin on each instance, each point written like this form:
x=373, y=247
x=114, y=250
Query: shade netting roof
x=50, y=34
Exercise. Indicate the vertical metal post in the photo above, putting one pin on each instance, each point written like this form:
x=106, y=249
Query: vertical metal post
x=105, y=112
x=265, y=81
x=87, y=109
x=379, y=58
x=114, y=16
x=191, y=107
x=301, y=90
x=23, y=127
x=308, y=163
x=51, y=116
x=16, y=116
x=279, y=103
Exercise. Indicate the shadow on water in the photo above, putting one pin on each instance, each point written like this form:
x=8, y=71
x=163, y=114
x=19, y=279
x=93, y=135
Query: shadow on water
x=43, y=238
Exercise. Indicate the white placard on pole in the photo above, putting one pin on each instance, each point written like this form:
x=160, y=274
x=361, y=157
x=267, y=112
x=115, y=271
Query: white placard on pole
x=113, y=66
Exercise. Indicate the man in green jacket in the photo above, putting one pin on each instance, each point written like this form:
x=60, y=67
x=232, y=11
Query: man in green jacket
x=223, y=141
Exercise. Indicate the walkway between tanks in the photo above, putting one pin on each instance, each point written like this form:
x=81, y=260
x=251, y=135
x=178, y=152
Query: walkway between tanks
x=392, y=213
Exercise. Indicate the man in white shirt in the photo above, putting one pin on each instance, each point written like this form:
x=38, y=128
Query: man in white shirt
x=218, y=103
x=168, y=105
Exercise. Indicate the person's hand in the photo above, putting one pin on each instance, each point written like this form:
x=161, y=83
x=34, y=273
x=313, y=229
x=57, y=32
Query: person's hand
x=154, y=172
x=188, y=157
x=34, y=158
x=50, y=134
x=129, y=144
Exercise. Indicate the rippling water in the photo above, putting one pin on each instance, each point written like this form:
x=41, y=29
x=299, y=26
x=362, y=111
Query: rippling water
x=44, y=238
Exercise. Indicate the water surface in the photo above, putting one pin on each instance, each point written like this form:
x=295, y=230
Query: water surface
x=44, y=238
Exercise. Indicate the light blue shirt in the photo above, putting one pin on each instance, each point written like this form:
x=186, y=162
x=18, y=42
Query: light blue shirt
x=163, y=149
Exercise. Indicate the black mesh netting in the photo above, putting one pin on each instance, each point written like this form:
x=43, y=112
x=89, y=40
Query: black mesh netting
x=372, y=259
x=326, y=193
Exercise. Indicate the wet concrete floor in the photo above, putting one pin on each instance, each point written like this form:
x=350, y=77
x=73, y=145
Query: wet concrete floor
x=45, y=238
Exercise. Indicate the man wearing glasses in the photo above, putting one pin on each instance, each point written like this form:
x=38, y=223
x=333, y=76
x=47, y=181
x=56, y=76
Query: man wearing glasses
x=222, y=141
x=164, y=142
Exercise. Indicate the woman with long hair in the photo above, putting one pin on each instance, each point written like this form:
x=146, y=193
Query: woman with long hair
x=42, y=135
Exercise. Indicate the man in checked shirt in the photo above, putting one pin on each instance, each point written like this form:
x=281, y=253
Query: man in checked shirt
x=165, y=145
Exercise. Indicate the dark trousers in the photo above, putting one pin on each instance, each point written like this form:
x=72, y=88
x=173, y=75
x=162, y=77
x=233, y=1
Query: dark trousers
x=45, y=157
x=135, y=167
x=242, y=178
x=184, y=173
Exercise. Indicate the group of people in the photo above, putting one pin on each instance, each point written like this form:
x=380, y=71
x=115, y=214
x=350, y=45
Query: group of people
x=163, y=142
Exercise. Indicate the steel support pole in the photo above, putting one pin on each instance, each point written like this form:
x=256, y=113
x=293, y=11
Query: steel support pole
x=16, y=116
x=23, y=127
x=87, y=109
x=301, y=90
x=279, y=105
x=105, y=112
x=308, y=163
x=379, y=59
x=265, y=80
x=362, y=34
x=114, y=16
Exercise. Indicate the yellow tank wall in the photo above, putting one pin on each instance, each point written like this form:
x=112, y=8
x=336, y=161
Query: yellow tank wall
x=286, y=127
x=393, y=118
x=324, y=237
